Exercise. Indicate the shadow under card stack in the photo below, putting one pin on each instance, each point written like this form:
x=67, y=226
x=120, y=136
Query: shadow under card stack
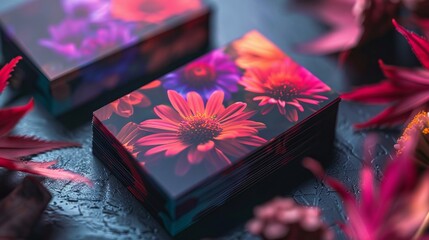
x=203, y=134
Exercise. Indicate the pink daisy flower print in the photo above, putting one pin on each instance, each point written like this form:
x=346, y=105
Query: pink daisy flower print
x=194, y=132
x=284, y=85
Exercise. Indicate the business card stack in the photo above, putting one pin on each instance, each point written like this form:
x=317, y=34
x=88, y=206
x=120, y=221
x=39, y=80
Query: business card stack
x=190, y=141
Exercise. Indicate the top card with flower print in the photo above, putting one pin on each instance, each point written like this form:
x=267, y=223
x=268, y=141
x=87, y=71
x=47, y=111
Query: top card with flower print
x=213, y=112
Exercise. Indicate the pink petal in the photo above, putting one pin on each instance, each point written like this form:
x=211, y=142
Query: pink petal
x=215, y=103
x=335, y=12
x=14, y=147
x=223, y=157
x=383, y=92
x=167, y=113
x=281, y=109
x=195, y=156
x=179, y=104
x=255, y=141
x=134, y=98
x=104, y=113
x=231, y=147
x=175, y=148
x=145, y=101
x=9, y=117
x=292, y=114
x=266, y=109
x=158, y=125
x=367, y=201
x=339, y=40
x=129, y=133
x=218, y=159
x=242, y=116
x=406, y=78
x=5, y=72
x=309, y=101
x=234, y=110
x=158, y=139
x=157, y=149
x=124, y=109
x=42, y=169
x=206, y=147
x=297, y=105
x=153, y=84
x=419, y=45
x=169, y=150
x=275, y=230
x=255, y=226
x=411, y=103
x=195, y=102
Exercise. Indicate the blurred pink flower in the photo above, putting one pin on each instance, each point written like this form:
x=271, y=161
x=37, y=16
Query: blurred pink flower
x=282, y=218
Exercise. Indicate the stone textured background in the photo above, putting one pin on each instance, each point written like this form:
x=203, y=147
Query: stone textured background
x=109, y=211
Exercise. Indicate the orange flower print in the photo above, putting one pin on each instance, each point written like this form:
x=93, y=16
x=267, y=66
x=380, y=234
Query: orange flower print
x=254, y=50
x=124, y=106
x=285, y=85
x=193, y=132
x=151, y=11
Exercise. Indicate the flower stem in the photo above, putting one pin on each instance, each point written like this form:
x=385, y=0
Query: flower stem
x=422, y=227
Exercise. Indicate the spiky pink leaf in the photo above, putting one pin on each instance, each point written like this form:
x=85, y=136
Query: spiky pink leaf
x=6, y=71
x=406, y=80
x=419, y=45
x=383, y=92
x=9, y=117
x=42, y=169
x=14, y=147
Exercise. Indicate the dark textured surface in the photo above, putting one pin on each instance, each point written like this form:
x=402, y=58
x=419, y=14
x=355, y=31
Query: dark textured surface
x=109, y=211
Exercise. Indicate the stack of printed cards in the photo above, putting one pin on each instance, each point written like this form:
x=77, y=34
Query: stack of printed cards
x=201, y=135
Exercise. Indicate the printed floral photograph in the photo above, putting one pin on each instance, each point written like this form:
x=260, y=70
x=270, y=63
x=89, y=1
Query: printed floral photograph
x=97, y=26
x=286, y=86
x=212, y=72
x=193, y=131
x=212, y=112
